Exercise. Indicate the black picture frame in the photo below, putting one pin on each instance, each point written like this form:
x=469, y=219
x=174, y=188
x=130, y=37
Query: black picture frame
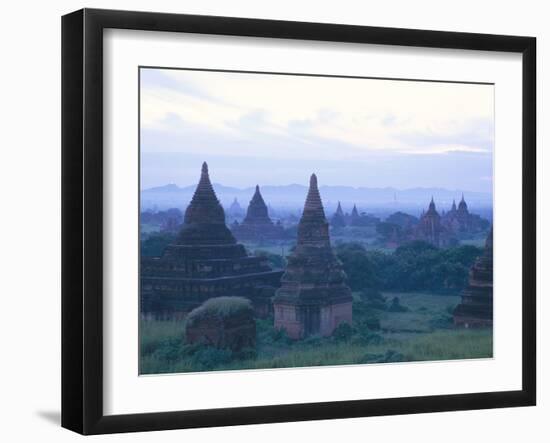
x=82, y=218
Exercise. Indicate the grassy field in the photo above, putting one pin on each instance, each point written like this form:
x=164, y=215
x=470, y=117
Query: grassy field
x=421, y=331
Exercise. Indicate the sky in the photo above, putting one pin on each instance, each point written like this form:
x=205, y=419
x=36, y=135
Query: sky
x=272, y=129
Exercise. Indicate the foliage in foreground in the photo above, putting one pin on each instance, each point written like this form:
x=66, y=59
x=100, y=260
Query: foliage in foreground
x=420, y=330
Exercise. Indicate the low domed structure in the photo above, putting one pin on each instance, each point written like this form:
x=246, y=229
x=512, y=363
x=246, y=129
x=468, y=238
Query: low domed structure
x=222, y=322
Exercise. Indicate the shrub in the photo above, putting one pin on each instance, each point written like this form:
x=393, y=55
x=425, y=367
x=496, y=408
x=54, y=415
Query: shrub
x=209, y=358
x=443, y=321
x=396, y=306
x=373, y=323
x=374, y=299
x=154, y=245
x=169, y=350
x=275, y=260
x=280, y=336
x=343, y=332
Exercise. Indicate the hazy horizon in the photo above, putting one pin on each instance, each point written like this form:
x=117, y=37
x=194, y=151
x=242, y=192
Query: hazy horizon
x=278, y=129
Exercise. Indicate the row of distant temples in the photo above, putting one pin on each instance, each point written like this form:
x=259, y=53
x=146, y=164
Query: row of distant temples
x=206, y=261
x=310, y=297
x=439, y=230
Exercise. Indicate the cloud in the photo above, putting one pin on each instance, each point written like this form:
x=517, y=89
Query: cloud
x=472, y=135
x=337, y=121
x=162, y=79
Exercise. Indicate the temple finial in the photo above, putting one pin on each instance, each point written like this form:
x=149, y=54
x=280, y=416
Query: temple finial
x=313, y=181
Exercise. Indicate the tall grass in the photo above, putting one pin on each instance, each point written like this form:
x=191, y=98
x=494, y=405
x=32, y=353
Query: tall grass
x=423, y=333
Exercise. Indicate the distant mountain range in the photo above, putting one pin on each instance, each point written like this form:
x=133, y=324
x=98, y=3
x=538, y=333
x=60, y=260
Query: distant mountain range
x=293, y=196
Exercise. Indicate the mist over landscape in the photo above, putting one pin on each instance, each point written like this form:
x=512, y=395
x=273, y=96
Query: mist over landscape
x=378, y=201
x=293, y=221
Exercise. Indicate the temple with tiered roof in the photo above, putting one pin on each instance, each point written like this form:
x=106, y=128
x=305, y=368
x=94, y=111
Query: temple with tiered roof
x=476, y=307
x=430, y=228
x=462, y=222
x=257, y=225
x=203, y=262
x=313, y=298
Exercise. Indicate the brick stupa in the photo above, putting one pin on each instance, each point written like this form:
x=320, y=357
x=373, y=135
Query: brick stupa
x=313, y=298
x=257, y=225
x=476, y=307
x=204, y=261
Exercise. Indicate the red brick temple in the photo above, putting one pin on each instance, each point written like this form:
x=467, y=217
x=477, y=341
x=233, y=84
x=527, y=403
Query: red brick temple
x=476, y=307
x=461, y=221
x=204, y=261
x=257, y=225
x=430, y=228
x=313, y=298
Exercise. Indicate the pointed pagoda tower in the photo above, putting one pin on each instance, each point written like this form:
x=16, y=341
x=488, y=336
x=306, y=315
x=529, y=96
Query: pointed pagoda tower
x=462, y=206
x=453, y=207
x=257, y=213
x=338, y=219
x=354, y=218
x=257, y=225
x=429, y=227
x=235, y=209
x=463, y=215
x=204, y=220
x=204, y=261
x=476, y=307
x=313, y=298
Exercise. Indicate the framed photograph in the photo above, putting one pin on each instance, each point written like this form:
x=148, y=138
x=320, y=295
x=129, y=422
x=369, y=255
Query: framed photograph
x=268, y=221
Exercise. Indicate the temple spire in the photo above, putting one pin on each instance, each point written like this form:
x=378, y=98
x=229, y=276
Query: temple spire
x=313, y=298
x=313, y=208
x=203, y=212
x=338, y=219
x=257, y=212
x=204, y=193
x=462, y=206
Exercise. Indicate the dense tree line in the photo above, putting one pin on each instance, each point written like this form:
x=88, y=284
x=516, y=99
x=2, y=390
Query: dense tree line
x=154, y=244
x=415, y=266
